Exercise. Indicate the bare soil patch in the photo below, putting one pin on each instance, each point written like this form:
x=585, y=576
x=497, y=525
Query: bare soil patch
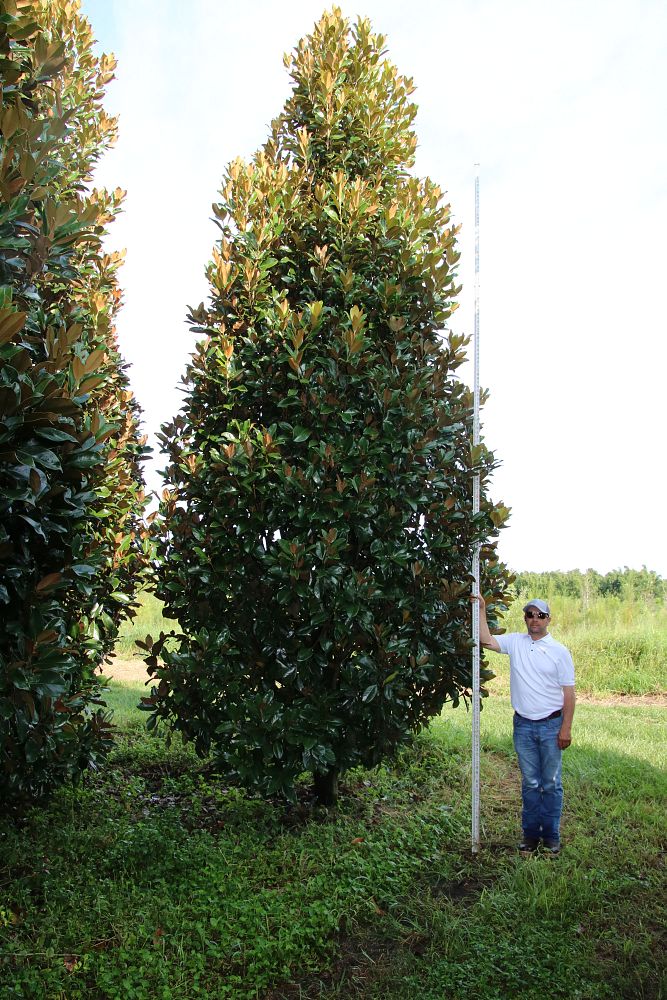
x=646, y=700
x=127, y=671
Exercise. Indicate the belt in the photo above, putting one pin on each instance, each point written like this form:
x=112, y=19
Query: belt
x=554, y=715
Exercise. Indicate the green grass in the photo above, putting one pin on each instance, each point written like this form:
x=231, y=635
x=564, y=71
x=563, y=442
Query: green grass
x=607, y=662
x=159, y=879
x=122, y=699
x=148, y=621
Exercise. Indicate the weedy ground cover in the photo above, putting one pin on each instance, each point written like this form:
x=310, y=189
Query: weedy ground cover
x=158, y=878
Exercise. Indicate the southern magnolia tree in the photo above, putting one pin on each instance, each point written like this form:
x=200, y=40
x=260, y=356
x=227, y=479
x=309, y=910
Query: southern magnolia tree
x=316, y=532
x=71, y=545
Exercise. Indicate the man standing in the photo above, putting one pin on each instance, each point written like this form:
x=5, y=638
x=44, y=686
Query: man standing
x=542, y=696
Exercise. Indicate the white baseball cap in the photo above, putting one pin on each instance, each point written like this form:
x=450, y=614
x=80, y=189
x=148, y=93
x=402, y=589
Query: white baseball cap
x=539, y=604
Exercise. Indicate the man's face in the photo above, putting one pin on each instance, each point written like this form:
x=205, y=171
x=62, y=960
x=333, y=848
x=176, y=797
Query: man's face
x=537, y=622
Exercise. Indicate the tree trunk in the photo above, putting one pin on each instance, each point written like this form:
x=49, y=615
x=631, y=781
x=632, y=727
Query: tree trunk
x=325, y=786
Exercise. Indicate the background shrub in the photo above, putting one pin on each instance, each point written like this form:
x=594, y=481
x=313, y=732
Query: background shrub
x=72, y=542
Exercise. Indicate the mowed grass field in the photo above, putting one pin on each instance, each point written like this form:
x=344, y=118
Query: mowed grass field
x=157, y=878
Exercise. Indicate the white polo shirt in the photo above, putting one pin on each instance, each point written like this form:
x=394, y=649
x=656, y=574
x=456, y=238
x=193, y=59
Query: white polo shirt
x=539, y=669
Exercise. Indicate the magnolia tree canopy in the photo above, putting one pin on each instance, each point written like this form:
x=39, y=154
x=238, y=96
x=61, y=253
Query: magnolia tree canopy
x=316, y=531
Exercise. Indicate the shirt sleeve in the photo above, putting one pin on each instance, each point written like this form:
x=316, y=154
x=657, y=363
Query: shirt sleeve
x=505, y=642
x=565, y=668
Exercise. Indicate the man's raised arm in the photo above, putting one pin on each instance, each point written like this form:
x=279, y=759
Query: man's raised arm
x=486, y=639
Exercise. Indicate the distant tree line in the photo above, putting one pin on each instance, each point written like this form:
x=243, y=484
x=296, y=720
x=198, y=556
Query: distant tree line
x=627, y=584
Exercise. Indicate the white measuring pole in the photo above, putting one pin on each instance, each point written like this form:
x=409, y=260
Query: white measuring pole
x=475, y=558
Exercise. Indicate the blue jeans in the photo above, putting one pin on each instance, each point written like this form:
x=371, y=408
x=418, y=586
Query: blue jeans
x=540, y=760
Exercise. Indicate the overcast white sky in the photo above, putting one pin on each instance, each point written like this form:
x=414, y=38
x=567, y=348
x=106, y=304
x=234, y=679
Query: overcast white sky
x=565, y=107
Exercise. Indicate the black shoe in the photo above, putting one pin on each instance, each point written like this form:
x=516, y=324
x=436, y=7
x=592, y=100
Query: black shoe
x=528, y=846
x=551, y=847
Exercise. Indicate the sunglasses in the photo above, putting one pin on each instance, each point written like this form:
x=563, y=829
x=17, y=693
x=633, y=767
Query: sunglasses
x=535, y=614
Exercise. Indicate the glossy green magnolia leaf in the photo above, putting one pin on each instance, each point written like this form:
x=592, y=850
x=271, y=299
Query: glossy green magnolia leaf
x=83, y=569
x=54, y=434
x=47, y=459
x=24, y=457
